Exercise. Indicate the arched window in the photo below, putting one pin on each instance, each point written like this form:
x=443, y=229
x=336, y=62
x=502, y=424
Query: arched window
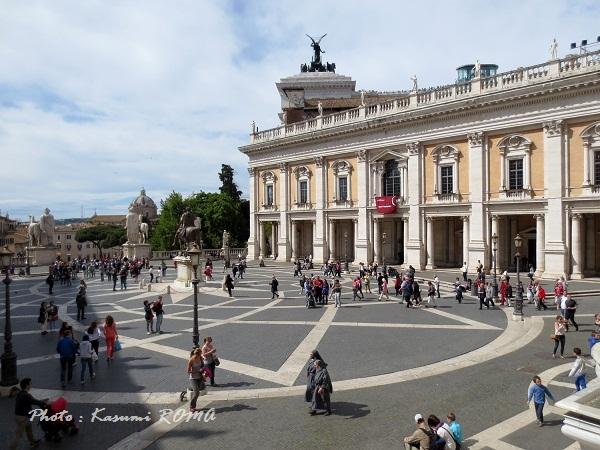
x=391, y=179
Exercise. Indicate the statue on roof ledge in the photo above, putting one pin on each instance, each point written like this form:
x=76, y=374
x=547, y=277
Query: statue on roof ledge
x=316, y=64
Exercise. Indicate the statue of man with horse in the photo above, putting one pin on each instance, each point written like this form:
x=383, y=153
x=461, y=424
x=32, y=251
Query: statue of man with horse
x=189, y=230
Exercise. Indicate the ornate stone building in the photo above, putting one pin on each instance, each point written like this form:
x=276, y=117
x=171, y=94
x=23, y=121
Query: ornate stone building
x=427, y=177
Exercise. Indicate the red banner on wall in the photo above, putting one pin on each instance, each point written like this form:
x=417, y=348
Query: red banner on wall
x=386, y=205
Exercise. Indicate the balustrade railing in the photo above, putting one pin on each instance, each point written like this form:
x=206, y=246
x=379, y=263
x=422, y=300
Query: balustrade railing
x=427, y=97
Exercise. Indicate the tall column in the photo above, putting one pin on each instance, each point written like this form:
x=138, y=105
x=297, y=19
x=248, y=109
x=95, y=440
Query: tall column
x=576, y=257
x=430, y=244
x=466, y=237
x=539, y=245
x=361, y=230
x=555, y=222
x=331, y=240
x=284, y=247
x=478, y=176
x=262, y=239
x=590, y=246
x=273, y=240
x=451, y=251
x=252, y=242
x=404, y=238
x=293, y=239
x=376, y=242
x=319, y=241
x=496, y=231
x=414, y=247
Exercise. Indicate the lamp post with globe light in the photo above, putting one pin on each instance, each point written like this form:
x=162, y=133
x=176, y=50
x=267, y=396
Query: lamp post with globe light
x=9, y=357
x=194, y=255
x=518, y=310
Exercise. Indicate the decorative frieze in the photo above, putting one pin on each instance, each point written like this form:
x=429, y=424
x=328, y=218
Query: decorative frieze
x=475, y=139
x=553, y=128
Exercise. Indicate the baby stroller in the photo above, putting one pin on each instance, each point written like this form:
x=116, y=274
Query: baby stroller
x=53, y=428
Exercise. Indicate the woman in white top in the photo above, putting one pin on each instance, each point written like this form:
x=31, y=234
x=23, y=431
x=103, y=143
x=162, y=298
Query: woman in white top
x=560, y=329
x=94, y=336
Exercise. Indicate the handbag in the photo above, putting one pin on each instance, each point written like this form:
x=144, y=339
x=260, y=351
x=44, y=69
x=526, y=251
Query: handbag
x=94, y=356
x=118, y=345
x=217, y=362
x=554, y=337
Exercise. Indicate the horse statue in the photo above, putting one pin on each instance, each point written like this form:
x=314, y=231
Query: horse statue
x=143, y=231
x=34, y=232
x=189, y=230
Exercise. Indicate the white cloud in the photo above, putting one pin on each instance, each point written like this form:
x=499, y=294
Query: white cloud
x=100, y=98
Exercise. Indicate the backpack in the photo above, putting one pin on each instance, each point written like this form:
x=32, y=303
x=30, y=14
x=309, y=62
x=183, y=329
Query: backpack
x=435, y=442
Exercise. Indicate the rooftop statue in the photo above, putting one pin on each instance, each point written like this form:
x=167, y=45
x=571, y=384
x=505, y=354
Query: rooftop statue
x=316, y=64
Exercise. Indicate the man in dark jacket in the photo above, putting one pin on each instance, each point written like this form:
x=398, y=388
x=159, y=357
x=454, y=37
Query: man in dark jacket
x=67, y=349
x=274, y=287
x=23, y=403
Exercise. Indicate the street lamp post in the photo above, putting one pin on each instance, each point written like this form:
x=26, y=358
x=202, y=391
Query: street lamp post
x=346, y=269
x=9, y=357
x=518, y=310
x=494, y=250
x=194, y=255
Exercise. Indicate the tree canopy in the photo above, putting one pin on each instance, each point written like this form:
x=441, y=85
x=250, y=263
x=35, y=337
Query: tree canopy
x=220, y=211
x=102, y=236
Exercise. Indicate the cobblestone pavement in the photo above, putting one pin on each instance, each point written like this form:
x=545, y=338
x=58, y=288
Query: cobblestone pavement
x=387, y=363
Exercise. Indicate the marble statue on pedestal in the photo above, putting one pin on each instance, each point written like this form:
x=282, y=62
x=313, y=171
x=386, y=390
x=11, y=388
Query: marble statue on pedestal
x=143, y=237
x=415, y=85
x=34, y=233
x=226, y=238
x=554, y=49
x=47, y=229
x=132, y=224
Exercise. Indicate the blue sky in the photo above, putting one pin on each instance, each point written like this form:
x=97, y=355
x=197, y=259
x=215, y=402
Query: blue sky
x=100, y=98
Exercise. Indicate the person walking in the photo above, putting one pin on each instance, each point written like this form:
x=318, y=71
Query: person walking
x=538, y=392
x=81, y=300
x=311, y=371
x=570, y=308
x=43, y=318
x=149, y=316
x=323, y=390
x=67, y=349
x=436, y=284
x=110, y=335
x=336, y=293
x=431, y=295
x=94, y=336
x=482, y=295
x=229, y=284
x=50, y=282
x=489, y=294
x=195, y=369
x=209, y=357
x=560, y=329
x=578, y=371
x=464, y=271
x=158, y=309
x=86, y=352
x=23, y=403
x=274, y=287
x=384, y=290
x=115, y=273
x=123, y=275
x=458, y=290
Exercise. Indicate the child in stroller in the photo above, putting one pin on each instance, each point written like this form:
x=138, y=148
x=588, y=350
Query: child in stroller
x=52, y=428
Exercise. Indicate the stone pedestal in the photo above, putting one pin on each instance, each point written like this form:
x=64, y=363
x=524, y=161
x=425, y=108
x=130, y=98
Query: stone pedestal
x=184, y=272
x=582, y=419
x=139, y=251
x=42, y=256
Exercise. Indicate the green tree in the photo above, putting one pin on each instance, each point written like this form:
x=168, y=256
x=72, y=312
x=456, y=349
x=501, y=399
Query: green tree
x=102, y=236
x=163, y=233
x=227, y=184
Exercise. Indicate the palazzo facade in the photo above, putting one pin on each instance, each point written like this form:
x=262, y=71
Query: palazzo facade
x=514, y=152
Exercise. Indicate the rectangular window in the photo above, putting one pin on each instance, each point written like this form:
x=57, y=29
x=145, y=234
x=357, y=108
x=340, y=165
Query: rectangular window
x=303, y=192
x=515, y=174
x=446, y=181
x=342, y=189
x=269, y=195
x=596, y=168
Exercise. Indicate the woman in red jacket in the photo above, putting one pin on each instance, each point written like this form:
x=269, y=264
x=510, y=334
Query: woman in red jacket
x=503, y=287
x=110, y=334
